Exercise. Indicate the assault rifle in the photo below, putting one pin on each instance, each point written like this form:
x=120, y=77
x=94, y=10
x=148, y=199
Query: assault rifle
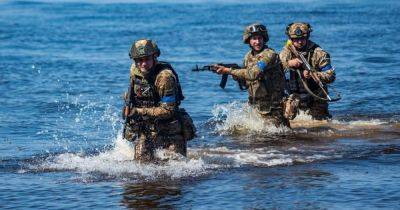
x=313, y=74
x=224, y=78
x=129, y=104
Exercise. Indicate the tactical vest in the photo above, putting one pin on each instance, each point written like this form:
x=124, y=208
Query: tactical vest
x=265, y=78
x=295, y=85
x=145, y=94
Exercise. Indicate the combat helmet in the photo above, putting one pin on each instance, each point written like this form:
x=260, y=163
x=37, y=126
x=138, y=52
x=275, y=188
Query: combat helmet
x=255, y=28
x=143, y=48
x=298, y=30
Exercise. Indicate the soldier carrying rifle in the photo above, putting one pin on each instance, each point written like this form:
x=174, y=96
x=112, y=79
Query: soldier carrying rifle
x=308, y=69
x=153, y=117
x=263, y=75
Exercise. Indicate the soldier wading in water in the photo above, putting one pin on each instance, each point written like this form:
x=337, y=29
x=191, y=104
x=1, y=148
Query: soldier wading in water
x=153, y=117
x=263, y=75
x=298, y=83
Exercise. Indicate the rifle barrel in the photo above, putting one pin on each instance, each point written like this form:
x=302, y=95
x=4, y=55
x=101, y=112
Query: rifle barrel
x=303, y=59
x=204, y=68
x=224, y=78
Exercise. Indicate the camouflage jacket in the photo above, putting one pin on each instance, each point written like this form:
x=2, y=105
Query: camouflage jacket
x=264, y=77
x=318, y=59
x=156, y=95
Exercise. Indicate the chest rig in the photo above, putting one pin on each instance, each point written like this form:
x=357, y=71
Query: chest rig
x=145, y=92
x=293, y=79
x=262, y=91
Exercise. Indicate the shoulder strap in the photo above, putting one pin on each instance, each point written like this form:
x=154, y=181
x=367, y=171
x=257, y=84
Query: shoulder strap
x=311, y=52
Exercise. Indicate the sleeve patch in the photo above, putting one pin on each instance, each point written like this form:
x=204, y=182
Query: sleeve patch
x=168, y=99
x=262, y=65
x=326, y=67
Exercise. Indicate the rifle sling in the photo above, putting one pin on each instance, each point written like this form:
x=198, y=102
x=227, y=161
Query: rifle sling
x=309, y=56
x=311, y=93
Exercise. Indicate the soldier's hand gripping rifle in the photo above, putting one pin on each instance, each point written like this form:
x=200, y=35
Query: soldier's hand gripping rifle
x=129, y=104
x=313, y=74
x=224, y=78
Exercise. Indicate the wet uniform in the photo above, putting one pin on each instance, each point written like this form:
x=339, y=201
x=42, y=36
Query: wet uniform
x=319, y=60
x=265, y=82
x=156, y=99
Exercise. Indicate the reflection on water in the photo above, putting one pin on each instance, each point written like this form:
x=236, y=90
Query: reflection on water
x=145, y=195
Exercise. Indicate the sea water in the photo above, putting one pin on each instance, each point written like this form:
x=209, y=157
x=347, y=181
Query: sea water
x=64, y=66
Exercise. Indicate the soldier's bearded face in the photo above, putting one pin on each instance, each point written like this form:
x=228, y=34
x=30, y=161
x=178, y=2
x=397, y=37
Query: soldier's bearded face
x=299, y=42
x=257, y=42
x=145, y=64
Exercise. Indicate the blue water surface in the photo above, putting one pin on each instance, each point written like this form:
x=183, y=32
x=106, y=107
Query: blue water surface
x=64, y=66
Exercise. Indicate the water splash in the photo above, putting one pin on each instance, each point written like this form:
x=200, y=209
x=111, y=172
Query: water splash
x=264, y=157
x=116, y=161
x=355, y=126
x=237, y=117
x=119, y=162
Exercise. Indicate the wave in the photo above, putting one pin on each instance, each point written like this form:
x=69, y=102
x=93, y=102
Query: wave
x=118, y=162
x=238, y=118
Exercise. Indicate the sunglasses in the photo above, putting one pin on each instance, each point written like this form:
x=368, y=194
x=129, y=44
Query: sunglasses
x=257, y=28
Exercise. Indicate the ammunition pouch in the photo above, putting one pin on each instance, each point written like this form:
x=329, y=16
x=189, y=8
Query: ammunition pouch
x=143, y=102
x=168, y=127
x=180, y=124
x=187, y=125
x=135, y=126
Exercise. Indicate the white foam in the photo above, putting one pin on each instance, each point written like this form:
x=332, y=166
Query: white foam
x=240, y=117
x=257, y=157
x=120, y=160
x=303, y=116
x=303, y=122
x=366, y=122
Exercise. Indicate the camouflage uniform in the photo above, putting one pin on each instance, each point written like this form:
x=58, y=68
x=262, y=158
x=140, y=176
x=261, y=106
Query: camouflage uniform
x=319, y=60
x=156, y=100
x=265, y=81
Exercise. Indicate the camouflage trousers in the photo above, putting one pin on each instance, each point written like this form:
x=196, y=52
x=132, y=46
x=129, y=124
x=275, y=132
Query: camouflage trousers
x=317, y=110
x=147, y=144
x=276, y=118
x=272, y=115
